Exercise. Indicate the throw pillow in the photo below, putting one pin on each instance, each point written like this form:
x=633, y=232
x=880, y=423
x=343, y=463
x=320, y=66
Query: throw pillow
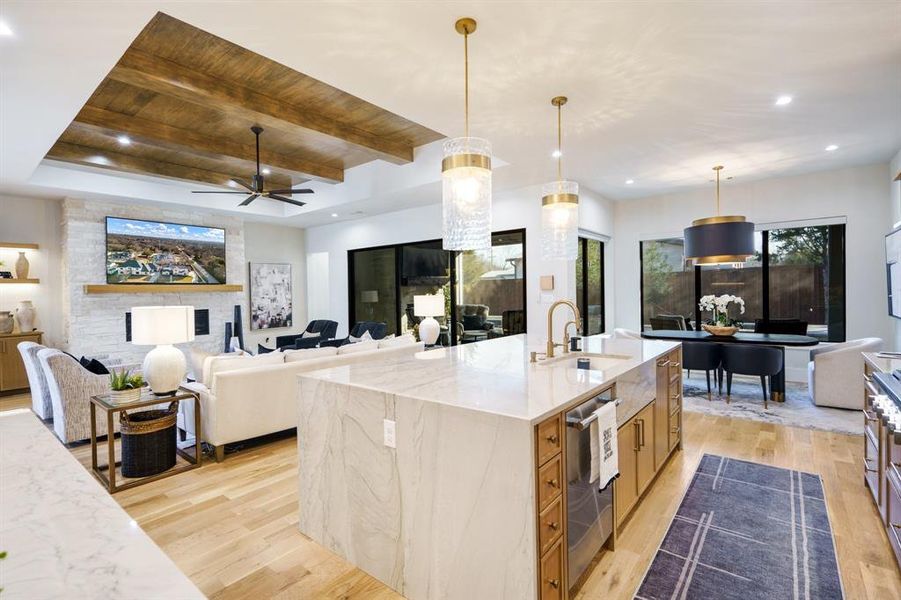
x=472, y=322
x=401, y=340
x=308, y=353
x=261, y=349
x=362, y=346
x=94, y=366
x=363, y=338
x=309, y=334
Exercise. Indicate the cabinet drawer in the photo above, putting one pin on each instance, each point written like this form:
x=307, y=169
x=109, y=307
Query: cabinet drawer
x=675, y=402
x=871, y=467
x=551, y=573
x=550, y=483
x=548, y=443
x=893, y=511
x=550, y=525
x=675, y=430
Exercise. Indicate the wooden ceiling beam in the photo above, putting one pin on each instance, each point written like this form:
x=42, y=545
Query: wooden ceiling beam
x=117, y=161
x=113, y=123
x=144, y=70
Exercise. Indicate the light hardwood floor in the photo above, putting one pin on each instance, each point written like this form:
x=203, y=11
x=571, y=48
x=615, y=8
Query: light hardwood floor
x=232, y=527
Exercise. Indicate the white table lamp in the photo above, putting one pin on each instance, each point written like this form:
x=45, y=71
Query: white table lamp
x=162, y=326
x=429, y=307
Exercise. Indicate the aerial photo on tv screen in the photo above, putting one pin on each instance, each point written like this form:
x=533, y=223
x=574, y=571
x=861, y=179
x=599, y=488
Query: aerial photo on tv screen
x=152, y=252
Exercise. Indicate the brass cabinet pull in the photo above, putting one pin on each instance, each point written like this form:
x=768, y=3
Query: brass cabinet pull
x=866, y=466
x=555, y=526
x=663, y=364
x=866, y=415
x=641, y=432
x=554, y=583
x=636, y=425
x=675, y=364
x=896, y=525
x=675, y=430
x=553, y=438
x=553, y=483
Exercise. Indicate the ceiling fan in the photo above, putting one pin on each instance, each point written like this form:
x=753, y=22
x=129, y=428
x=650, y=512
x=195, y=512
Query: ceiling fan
x=256, y=188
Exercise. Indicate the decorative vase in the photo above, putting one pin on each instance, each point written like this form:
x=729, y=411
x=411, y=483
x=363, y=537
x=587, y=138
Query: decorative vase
x=25, y=316
x=6, y=321
x=22, y=266
x=720, y=330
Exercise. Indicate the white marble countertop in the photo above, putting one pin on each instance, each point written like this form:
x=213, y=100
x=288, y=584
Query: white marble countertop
x=64, y=534
x=495, y=376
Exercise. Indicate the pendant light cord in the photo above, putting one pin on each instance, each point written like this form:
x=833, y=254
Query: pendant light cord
x=466, y=80
x=559, y=142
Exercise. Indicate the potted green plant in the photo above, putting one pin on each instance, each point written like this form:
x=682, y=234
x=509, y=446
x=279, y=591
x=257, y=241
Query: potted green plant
x=125, y=387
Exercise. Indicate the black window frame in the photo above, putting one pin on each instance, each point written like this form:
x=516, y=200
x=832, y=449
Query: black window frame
x=582, y=299
x=836, y=328
x=398, y=267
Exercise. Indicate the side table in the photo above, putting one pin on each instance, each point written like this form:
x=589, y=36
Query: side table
x=104, y=402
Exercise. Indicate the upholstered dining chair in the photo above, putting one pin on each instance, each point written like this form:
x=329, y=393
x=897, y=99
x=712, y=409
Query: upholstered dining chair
x=741, y=359
x=71, y=387
x=41, y=403
x=702, y=356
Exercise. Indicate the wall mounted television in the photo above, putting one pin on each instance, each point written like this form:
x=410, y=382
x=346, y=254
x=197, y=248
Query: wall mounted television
x=893, y=272
x=153, y=252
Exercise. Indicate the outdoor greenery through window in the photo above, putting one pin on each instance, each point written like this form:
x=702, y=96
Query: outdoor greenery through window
x=796, y=273
x=590, y=285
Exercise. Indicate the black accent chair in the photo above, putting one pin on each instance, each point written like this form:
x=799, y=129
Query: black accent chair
x=763, y=361
x=783, y=326
x=702, y=356
x=377, y=330
x=325, y=328
x=670, y=322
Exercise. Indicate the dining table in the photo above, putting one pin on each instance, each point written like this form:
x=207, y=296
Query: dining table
x=775, y=340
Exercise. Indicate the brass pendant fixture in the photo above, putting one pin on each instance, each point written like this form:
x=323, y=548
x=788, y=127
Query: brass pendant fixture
x=720, y=239
x=560, y=205
x=466, y=176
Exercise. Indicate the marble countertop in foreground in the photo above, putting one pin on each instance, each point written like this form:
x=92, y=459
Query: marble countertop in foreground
x=64, y=534
x=495, y=376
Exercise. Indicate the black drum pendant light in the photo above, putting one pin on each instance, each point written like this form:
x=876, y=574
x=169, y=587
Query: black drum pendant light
x=719, y=240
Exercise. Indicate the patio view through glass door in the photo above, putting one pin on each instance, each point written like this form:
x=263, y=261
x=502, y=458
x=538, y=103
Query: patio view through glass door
x=590, y=285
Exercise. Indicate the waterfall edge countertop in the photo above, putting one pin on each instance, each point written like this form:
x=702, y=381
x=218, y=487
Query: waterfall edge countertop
x=64, y=535
x=496, y=377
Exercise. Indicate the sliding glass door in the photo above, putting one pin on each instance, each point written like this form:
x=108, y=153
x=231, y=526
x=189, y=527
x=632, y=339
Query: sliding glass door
x=590, y=285
x=485, y=293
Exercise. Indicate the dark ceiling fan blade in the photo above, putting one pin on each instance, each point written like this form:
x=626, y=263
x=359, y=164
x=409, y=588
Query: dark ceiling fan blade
x=222, y=192
x=243, y=184
x=283, y=199
x=292, y=191
x=250, y=199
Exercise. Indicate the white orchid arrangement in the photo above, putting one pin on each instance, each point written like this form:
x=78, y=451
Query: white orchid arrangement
x=719, y=306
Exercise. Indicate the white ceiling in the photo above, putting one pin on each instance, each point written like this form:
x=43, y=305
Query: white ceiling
x=659, y=91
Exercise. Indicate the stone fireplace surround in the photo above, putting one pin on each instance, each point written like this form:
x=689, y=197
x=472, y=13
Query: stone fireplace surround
x=94, y=324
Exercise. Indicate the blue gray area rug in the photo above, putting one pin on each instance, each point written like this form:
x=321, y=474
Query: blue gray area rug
x=746, y=530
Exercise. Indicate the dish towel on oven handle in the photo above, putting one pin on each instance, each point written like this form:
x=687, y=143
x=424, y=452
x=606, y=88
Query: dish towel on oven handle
x=603, y=444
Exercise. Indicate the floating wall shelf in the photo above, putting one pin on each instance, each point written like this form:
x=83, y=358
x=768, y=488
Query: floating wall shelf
x=159, y=288
x=15, y=246
x=20, y=280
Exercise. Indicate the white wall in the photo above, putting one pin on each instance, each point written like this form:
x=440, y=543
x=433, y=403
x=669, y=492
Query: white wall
x=895, y=208
x=274, y=244
x=35, y=221
x=857, y=193
x=516, y=209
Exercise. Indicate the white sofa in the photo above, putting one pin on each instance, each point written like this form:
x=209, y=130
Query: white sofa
x=247, y=397
x=834, y=373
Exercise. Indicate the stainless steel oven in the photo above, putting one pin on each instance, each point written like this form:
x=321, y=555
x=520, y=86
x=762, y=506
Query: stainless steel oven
x=589, y=515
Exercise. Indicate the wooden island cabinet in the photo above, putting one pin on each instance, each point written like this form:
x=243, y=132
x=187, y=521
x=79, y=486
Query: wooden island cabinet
x=12, y=369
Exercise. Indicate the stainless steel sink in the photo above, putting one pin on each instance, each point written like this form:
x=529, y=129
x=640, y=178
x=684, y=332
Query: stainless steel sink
x=597, y=362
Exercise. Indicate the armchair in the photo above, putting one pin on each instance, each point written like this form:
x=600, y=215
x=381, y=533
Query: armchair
x=71, y=387
x=41, y=403
x=325, y=328
x=834, y=373
x=472, y=322
x=377, y=330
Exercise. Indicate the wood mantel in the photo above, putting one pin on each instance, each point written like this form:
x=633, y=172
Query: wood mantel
x=160, y=288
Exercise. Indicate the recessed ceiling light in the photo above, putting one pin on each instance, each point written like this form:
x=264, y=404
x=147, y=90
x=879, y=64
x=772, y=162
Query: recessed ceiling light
x=556, y=154
x=266, y=171
x=5, y=29
x=783, y=100
x=831, y=148
x=334, y=214
x=630, y=181
x=231, y=183
x=124, y=140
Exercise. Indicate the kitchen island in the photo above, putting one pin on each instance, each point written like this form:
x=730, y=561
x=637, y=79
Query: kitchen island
x=444, y=474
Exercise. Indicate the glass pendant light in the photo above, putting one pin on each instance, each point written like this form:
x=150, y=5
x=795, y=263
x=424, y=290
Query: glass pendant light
x=560, y=206
x=466, y=177
x=720, y=239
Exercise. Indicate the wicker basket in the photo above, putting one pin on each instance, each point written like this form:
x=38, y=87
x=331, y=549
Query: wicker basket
x=148, y=441
x=720, y=331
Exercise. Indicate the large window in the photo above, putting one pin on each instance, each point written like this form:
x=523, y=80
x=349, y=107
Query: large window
x=590, y=285
x=795, y=273
x=485, y=294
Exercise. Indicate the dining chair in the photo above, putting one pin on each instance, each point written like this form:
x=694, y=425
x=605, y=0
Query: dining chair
x=702, y=356
x=741, y=359
x=782, y=326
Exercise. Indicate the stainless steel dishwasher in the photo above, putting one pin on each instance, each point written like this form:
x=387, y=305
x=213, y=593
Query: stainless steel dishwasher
x=589, y=514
